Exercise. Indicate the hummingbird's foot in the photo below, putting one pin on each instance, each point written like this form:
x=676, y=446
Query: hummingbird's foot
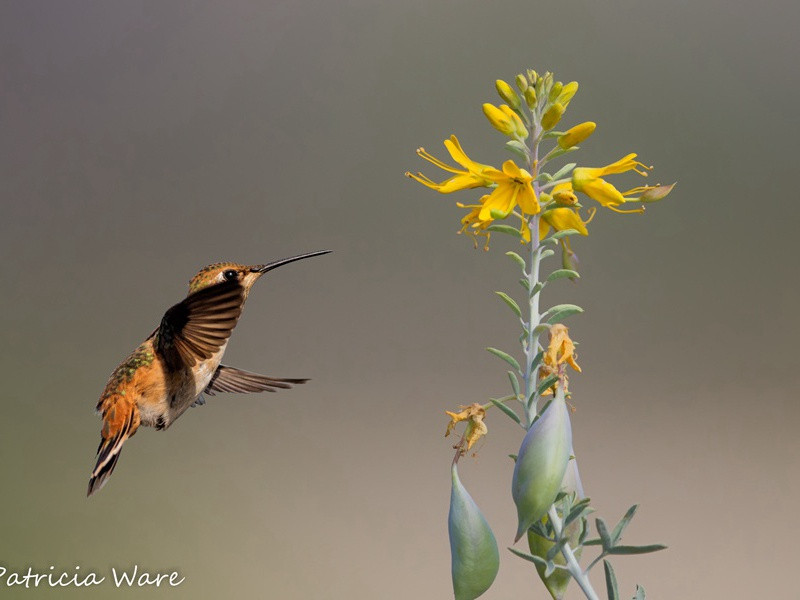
x=199, y=401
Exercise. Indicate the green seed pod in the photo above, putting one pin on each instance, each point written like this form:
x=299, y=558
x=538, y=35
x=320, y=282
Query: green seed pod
x=559, y=579
x=541, y=463
x=473, y=548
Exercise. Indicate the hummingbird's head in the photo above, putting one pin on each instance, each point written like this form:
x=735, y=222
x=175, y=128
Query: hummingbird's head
x=246, y=275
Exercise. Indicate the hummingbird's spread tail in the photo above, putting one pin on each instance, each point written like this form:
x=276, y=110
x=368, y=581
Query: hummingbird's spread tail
x=120, y=422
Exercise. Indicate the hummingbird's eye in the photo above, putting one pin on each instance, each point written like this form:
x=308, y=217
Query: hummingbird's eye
x=230, y=275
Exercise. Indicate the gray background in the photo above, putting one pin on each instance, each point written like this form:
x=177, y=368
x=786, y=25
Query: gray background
x=141, y=141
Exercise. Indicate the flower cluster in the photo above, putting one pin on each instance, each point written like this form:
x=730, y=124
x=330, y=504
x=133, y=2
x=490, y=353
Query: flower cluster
x=528, y=117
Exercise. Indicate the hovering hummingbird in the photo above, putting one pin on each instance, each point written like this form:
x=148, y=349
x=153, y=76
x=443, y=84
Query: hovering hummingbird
x=180, y=360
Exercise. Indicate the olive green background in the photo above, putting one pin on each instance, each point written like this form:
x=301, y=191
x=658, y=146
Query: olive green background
x=143, y=140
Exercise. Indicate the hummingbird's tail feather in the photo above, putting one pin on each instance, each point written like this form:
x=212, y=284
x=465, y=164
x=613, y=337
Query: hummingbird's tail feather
x=120, y=421
x=229, y=379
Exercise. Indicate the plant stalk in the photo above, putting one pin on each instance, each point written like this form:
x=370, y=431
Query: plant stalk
x=580, y=577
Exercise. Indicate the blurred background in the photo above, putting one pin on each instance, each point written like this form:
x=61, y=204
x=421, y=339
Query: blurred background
x=143, y=140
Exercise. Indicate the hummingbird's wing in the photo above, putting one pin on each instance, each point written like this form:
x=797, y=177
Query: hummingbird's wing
x=228, y=379
x=197, y=327
x=120, y=421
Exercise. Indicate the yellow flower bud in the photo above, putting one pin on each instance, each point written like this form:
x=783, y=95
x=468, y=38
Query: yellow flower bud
x=521, y=82
x=506, y=93
x=505, y=120
x=567, y=92
x=565, y=197
x=656, y=193
x=555, y=91
x=530, y=97
x=552, y=116
x=576, y=135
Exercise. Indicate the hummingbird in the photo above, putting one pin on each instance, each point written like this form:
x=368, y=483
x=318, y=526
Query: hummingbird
x=180, y=361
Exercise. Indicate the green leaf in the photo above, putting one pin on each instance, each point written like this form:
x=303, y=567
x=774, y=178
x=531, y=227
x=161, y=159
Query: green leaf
x=529, y=557
x=514, y=382
x=507, y=229
x=602, y=531
x=577, y=511
x=548, y=570
x=558, y=312
x=513, y=457
x=537, y=360
x=518, y=148
x=556, y=549
x=559, y=234
x=611, y=582
x=561, y=152
x=538, y=287
x=639, y=595
x=506, y=410
x=547, y=253
x=511, y=303
x=517, y=259
x=525, y=284
x=546, y=383
x=562, y=273
x=623, y=523
x=540, y=329
x=628, y=550
x=506, y=357
x=593, y=542
x=564, y=170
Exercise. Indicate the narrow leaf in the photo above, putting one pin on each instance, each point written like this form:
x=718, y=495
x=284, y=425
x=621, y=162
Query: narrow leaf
x=525, y=284
x=593, y=542
x=564, y=170
x=547, y=253
x=548, y=570
x=514, y=382
x=577, y=511
x=546, y=384
x=538, y=287
x=623, y=523
x=518, y=148
x=602, y=531
x=517, y=259
x=611, y=582
x=529, y=557
x=560, y=311
x=562, y=273
x=506, y=357
x=537, y=360
x=627, y=550
x=513, y=457
x=560, y=234
x=511, y=303
x=506, y=410
x=556, y=549
x=507, y=229
x=639, y=595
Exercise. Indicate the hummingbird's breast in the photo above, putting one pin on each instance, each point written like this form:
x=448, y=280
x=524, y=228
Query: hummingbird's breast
x=187, y=385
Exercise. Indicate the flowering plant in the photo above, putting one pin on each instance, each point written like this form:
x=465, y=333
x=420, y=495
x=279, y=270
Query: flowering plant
x=552, y=509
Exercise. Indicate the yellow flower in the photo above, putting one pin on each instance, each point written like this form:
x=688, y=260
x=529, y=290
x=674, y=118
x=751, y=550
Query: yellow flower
x=505, y=120
x=561, y=349
x=471, y=223
x=471, y=176
x=576, y=135
x=559, y=219
x=588, y=180
x=476, y=428
x=514, y=188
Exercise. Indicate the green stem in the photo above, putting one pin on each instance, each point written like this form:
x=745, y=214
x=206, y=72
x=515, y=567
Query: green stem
x=532, y=347
x=580, y=577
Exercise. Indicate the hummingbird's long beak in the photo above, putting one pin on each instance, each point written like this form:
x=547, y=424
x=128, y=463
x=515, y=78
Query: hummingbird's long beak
x=261, y=269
